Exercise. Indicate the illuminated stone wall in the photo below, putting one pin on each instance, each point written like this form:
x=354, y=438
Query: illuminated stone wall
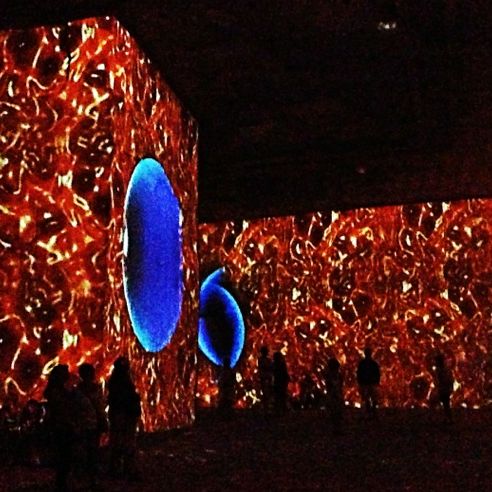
x=408, y=281
x=79, y=107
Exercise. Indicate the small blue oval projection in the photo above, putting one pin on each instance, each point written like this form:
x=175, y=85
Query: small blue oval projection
x=153, y=278
x=221, y=325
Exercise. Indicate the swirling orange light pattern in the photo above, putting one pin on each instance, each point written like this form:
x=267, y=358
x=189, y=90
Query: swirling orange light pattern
x=80, y=105
x=407, y=280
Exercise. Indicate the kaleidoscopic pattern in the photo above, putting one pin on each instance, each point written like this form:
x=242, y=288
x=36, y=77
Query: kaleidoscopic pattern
x=407, y=280
x=80, y=106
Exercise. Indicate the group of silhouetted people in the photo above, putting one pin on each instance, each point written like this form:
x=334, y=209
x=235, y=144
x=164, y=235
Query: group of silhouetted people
x=75, y=411
x=77, y=420
x=368, y=377
x=21, y=428
x=274, y=379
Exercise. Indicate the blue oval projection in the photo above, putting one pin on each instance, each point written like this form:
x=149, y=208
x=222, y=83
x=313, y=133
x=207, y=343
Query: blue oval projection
x=153, y=279
x=221, y=324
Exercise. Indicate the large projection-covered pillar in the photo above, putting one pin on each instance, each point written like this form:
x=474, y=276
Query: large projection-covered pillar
x=80, y=109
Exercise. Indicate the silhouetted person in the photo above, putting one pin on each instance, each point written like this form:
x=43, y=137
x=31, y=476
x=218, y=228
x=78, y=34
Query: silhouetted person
x=124, y=413
x=94, y=421
x=307, y=397
x=62, y=415
x=368, y=378
x=227, y=383
x=444, y=384
x=31, y=431
x=265, y=370
x=334, y=394
x=280, y=382
x=9, y=422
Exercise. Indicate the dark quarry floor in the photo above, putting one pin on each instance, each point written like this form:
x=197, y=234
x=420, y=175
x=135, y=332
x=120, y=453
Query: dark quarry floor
x=413, y=450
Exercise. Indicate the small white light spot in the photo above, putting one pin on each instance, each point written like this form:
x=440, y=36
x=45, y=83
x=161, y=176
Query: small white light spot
x=387, y=26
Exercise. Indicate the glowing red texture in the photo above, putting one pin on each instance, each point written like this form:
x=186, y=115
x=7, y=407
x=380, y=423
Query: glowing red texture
x=408, y=281
x=80, y=105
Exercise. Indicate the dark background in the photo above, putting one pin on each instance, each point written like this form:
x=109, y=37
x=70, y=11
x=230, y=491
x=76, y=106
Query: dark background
x=314, y=105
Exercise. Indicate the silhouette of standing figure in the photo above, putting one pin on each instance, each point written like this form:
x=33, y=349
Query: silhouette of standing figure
x=280, y=382
x=9, y=422
x=227, y=383
x=265, y=370
x=95, y=422
x=368, y=378
x=124, y=413
x=334, y=393
x=62, y=423
x=444, y=384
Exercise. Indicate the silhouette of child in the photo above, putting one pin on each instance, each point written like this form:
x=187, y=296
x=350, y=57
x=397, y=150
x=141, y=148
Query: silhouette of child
x=307, y=397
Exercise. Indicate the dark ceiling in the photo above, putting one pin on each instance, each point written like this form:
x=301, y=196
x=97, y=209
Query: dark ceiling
x=318, y=105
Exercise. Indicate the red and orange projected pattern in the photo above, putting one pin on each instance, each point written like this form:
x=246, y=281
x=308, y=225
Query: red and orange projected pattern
x=79, y=107
x=408, y=281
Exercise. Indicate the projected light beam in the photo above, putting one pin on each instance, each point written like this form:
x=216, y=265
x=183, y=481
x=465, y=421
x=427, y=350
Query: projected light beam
x=152, y=242
x=221, y=325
